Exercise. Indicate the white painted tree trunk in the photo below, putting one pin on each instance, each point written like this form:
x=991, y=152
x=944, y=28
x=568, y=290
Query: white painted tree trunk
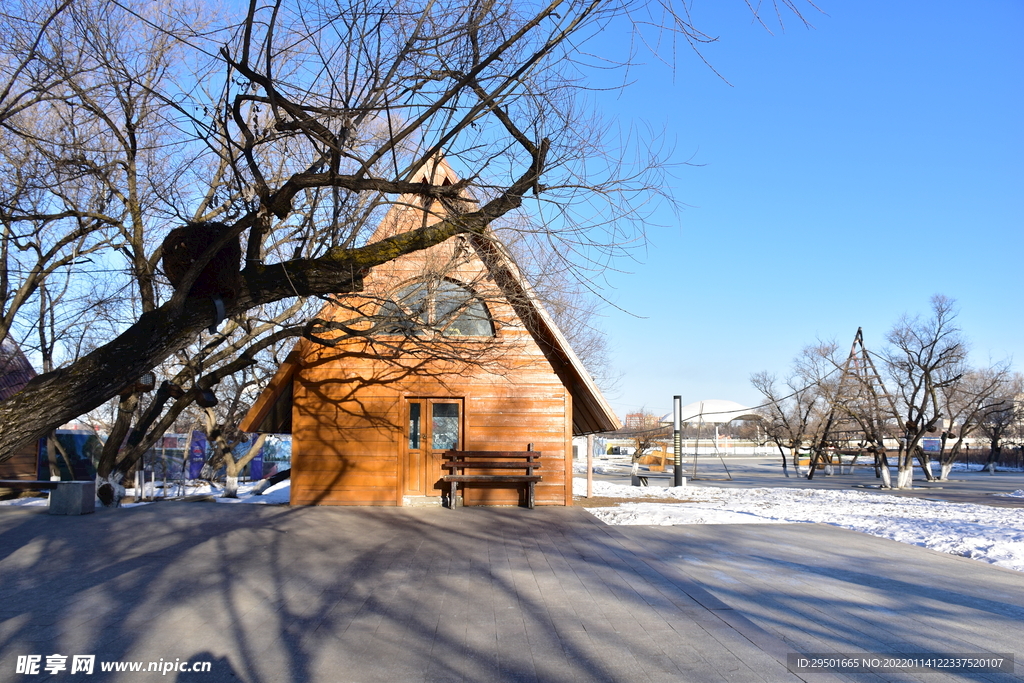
x=886, y=477
x=928, y=468
x=115, y=488
x=944, y=471
x=905, y=477
x=231, y=487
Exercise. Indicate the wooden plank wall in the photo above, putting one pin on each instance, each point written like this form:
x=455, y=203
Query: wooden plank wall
x=349, y=432
x=22, y=465
x=349, y=406
x=343, y=442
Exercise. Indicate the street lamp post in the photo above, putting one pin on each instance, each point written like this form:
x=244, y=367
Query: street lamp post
x=677, y=441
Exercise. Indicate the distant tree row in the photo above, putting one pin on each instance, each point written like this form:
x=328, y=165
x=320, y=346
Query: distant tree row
x=884, y=404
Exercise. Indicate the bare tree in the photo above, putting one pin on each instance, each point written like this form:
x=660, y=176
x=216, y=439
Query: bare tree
x=838, y=404
x=922, y=358
x=242, y=352
x=970, y=403
x=285, y=131
x=315, y=109
x=222, y=432
x=645, y=431
x=1003, y=415
x=573, y=303
x=794, y=414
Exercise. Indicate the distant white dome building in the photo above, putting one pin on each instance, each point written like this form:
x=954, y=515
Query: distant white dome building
x=714, y=411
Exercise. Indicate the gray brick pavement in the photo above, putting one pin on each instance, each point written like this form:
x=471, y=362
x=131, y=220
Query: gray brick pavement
x=273, y=594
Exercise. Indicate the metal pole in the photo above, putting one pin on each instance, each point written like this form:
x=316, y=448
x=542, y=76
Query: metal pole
x=677, y=442
x=590, y=465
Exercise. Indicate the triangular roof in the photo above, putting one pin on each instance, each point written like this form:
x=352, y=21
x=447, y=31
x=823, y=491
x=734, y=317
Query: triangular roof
x=591, y=412
x=15, y=370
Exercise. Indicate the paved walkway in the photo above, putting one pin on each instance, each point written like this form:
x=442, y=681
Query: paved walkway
x=270, y=594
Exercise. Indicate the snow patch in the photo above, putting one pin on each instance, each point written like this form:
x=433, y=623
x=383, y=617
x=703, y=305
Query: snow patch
x=980, y=532
x=277, y=494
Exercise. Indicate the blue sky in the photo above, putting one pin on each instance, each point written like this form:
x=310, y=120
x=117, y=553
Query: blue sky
x=847, y=173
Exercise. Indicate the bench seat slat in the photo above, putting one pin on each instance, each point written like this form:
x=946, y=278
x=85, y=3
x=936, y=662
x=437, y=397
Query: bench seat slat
x=481, y=465
x=492, y=454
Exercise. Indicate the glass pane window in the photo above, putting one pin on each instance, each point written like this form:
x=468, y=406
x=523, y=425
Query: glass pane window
x=414, y=426
x=458, y=313
x=394, y=320
x=445, y=306
x=445, y=426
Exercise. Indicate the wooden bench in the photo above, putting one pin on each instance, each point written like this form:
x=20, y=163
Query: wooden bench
x=66, y=497
x=458, y=462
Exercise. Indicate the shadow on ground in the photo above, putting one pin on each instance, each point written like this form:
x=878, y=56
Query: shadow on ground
x=375, y=594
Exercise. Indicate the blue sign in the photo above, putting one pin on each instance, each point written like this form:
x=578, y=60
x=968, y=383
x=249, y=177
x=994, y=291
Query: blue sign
x=196, y=455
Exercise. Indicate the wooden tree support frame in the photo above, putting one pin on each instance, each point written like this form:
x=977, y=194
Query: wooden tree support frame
x=861, y=382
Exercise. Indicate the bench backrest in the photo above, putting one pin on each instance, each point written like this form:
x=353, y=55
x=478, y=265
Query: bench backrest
x=492, y=460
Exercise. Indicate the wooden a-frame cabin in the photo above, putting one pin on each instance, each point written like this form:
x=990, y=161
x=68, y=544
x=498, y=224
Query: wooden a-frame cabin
x=451, y=351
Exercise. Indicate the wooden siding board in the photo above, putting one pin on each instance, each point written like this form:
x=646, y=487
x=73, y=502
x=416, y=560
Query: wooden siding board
x=23, y=464
x=567, y=454
x=349, y=409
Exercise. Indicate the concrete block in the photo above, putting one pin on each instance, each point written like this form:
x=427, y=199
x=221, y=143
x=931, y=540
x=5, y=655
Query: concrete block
x=73, y=498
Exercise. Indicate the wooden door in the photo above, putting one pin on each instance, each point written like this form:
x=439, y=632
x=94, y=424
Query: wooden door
x=434, y=425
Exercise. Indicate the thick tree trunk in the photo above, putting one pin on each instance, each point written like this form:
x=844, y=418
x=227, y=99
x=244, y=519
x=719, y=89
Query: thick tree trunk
x=928, y=474
x=883, y=469
x=886, y=478
x=993, y=457
x=231, y=483
x=122, y=424
x=62, y=395
x=905, y=478
x=53, y=398
x=926, y=465
x=233, y=468
x=783, y=453
x=948, y=458
x=905, y=471
x=110, y=489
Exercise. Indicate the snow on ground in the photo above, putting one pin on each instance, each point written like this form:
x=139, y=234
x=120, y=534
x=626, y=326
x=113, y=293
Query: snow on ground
x=275, y=495
x=611, y=467
x=980, y=532
x=974, y=467
x=27, y=502
x=278, y=494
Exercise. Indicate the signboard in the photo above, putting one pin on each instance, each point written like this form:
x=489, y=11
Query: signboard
x=82, y=449
x=196, y=455
x=276, y=455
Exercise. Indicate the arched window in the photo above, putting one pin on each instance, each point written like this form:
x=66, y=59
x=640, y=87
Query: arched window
x=442, y=306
